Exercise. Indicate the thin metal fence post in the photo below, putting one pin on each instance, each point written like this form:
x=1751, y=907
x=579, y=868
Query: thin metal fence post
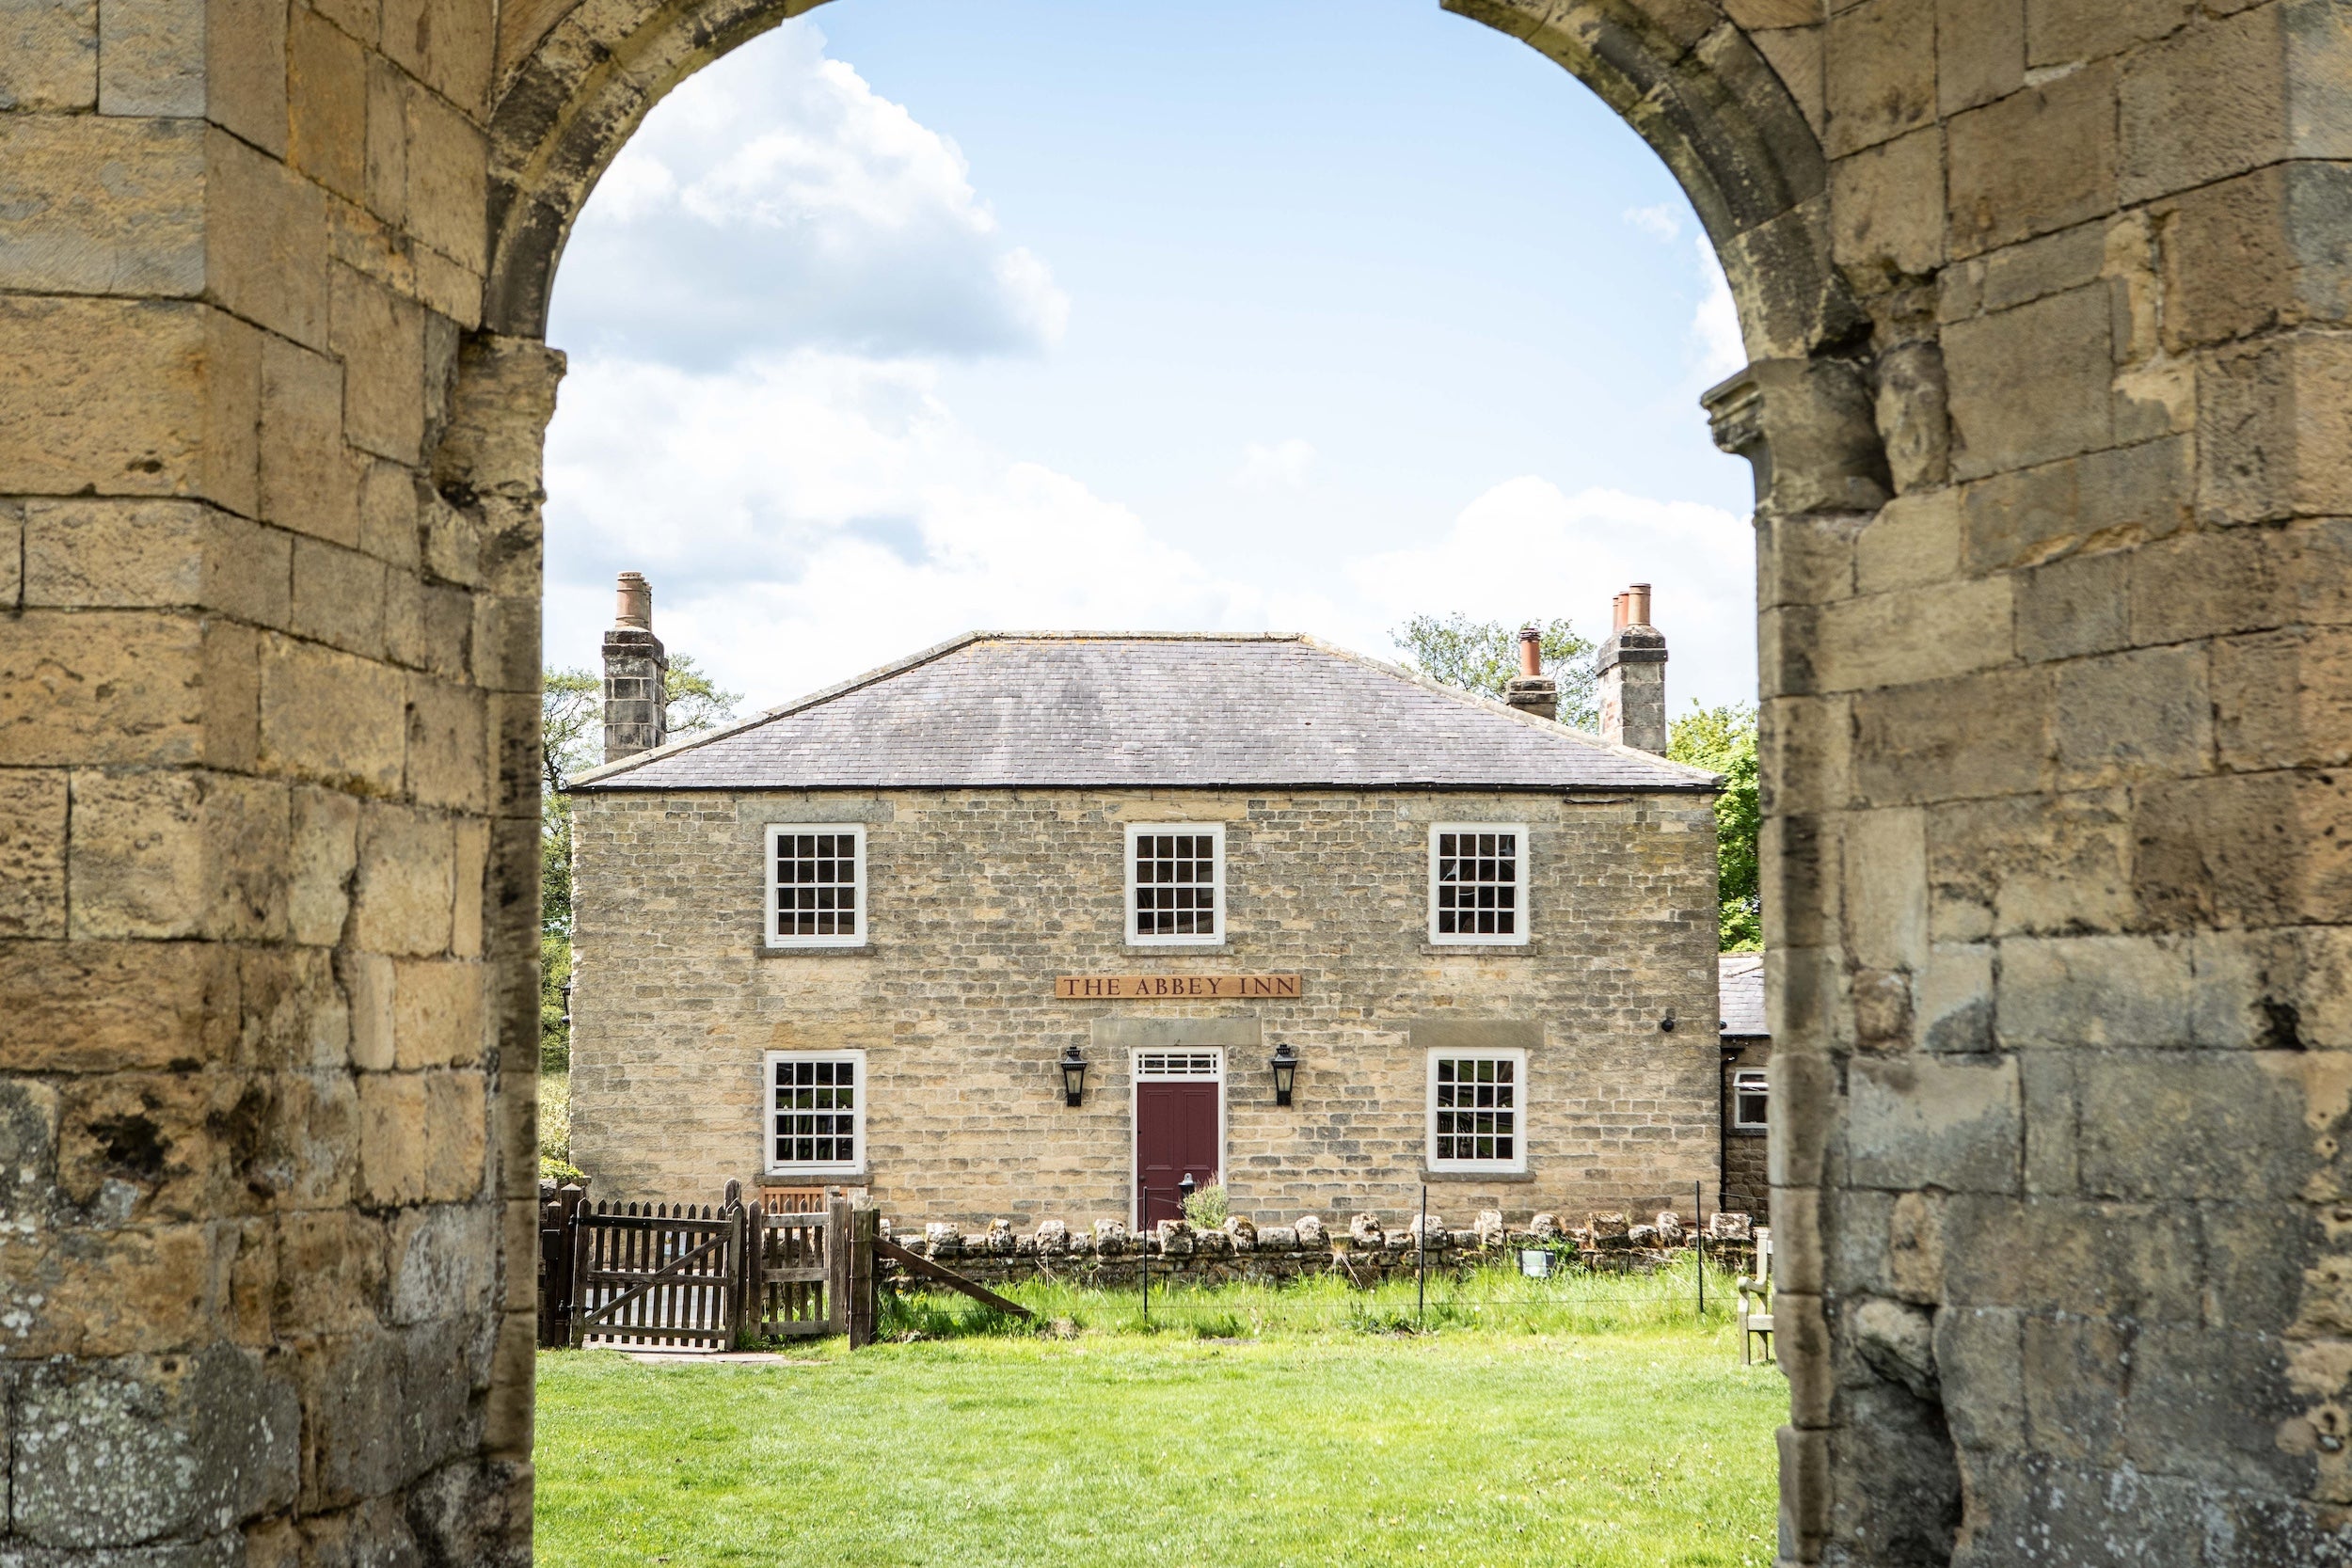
x=1698, y=1241
x=1421, y=1263
x=1143, y=1245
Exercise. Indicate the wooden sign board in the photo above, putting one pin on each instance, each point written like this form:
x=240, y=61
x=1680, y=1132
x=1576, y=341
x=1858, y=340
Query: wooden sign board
x=1155, y=988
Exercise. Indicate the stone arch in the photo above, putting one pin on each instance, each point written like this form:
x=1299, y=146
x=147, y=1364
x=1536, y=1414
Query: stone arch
x=1688, y=79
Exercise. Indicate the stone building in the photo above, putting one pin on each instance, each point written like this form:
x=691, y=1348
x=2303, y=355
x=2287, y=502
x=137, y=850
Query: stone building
x=1038, y=926
x=2045, y=306
x=1742, y=1179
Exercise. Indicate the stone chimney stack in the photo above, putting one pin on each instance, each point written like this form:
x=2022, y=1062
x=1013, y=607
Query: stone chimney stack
x=1633, y=669
x=636, y=675
x=1531, y=690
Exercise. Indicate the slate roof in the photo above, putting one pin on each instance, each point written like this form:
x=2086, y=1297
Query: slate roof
x=1740, y=982
x=1070, y=709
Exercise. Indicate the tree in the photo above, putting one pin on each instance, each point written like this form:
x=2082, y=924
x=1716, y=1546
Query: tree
x=692, y=700
x=1484, y=656
x=1723, y=740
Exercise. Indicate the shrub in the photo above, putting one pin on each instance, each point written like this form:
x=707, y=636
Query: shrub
x=1206, y=1209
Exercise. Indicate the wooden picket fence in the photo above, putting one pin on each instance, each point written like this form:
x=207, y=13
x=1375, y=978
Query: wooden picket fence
x=656, y=1275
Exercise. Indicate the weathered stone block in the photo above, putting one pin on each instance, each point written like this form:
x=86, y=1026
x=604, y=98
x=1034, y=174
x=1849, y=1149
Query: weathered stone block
x=1932, y=1122
x=1886, y=204
x=331, y=717
x=2239, y=849
x=2095, y=990
x=94, y=205
x=2275, y=419
x=1980, y=52
x=265, y=241
x=326, y=102
x=183, y=378
x=448, y=745
x=2037, y=161
x=143, y=1448
x=2079, y=604
x=151, y=58
x=309, y=479
x=2147, y=714
x=406, y=866
x=2029, y=384
x=162, y=854
x=1981, y=735
x=437, y=1013
x=445, y=160
x=338, y=598
x=1880, y=77
x=1909, y=635
x=32, y=853
x=2209, y=102
x=379, y=337
x=2264, y=249
x=48, y=55
x=2172, y=1124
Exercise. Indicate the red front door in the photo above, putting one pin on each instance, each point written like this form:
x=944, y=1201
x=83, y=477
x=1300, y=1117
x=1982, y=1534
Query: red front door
x=1175, y=1137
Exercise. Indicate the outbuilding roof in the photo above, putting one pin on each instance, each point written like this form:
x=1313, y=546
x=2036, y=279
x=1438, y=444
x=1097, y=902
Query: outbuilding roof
x=1079, y=709
x=1740, y=984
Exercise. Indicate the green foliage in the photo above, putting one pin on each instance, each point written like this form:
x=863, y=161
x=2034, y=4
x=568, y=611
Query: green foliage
x=571, y=736
x=560, y=1172
x=1206, y=1209
x=555, y=1122
x=1723, y=740
x=1484, y=656
x=693, y=701
x=555, y=973
x=1507, y=1449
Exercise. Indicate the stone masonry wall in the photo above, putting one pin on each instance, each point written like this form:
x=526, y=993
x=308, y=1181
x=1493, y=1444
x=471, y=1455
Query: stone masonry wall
x=269, y=581
x=979, y=898
x=2050, y=320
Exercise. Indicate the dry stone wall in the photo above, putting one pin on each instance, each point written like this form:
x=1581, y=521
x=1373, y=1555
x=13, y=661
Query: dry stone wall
x=978, y=899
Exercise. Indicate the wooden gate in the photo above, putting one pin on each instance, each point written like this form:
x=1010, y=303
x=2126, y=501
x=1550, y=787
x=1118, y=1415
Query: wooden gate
x=652, y=1275
x=672, y=1275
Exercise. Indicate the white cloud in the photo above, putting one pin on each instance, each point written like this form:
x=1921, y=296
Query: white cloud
x=775, y=201
x=1526, y=548
x=1281, y=466
x=806, y=518
x=1715, y=326
x=1660, y=222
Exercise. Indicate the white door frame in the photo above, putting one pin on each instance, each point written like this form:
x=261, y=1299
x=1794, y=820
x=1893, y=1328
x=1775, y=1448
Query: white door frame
x=1135, y=1114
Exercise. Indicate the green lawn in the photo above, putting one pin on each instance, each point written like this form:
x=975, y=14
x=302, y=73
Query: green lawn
x=1468, y=1445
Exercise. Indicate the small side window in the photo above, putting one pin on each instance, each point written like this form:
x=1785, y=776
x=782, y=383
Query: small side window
x=816, y=1111
x=1478, y=885
x=1750, y=1100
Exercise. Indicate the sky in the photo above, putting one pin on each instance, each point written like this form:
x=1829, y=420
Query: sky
x=914, y=317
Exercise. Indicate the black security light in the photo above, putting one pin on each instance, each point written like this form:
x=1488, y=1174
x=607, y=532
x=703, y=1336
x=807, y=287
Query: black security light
x=1074, y=1077
x=1285, y=1072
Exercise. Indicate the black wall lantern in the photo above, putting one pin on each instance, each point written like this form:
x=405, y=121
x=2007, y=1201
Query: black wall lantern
x=1074, y=1077
x=1285, y=1072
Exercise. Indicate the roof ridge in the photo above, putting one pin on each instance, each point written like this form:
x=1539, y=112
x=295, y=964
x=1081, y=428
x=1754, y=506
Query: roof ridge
x=1675, y=775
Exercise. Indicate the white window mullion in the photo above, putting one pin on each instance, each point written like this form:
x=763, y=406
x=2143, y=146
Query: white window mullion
x=816, y=1113
x=1478, y=885
x=1478, y=1110
x=1175, y=885
x=815, y=877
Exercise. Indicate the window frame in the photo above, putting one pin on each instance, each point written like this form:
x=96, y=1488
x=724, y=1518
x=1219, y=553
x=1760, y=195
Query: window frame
x=863, y=1086
x=773, y=895
x=1222, y=912
x=1525, y=876
x=1764, y=1086
x=1516, y=1054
